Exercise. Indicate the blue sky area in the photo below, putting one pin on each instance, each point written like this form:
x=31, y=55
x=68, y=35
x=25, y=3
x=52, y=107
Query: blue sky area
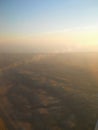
x=40, y=25
x=46, y=15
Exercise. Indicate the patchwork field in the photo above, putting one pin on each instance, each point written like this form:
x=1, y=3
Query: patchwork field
x=48, y=91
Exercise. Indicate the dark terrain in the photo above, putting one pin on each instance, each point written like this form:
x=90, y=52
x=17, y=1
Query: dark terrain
x=48, y=91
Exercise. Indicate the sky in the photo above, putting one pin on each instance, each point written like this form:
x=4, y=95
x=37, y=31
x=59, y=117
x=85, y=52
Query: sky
x=48, y=25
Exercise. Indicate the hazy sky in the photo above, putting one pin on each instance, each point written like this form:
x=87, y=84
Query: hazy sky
x=48, y=25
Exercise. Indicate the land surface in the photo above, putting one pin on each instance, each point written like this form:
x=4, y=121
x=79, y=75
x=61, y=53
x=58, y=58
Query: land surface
x=48, y=91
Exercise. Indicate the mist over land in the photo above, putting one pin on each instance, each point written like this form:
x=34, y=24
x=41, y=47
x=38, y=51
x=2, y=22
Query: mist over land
x=48, y=64
x=49, y=91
